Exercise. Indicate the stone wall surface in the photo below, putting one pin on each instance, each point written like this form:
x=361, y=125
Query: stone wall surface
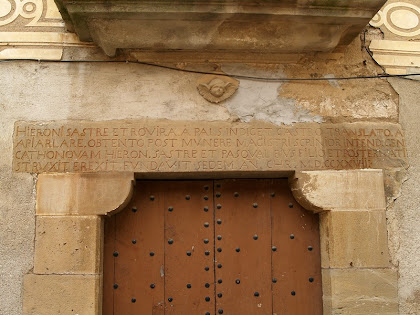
x=404, y=214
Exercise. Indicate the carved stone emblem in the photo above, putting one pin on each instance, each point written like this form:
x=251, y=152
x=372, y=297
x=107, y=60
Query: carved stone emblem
x=215, y=88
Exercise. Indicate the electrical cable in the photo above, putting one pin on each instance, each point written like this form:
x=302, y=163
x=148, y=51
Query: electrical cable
x=238, y=76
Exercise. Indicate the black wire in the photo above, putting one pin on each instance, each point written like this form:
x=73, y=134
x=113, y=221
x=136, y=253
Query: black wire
x=238, y=76
x=370, y=53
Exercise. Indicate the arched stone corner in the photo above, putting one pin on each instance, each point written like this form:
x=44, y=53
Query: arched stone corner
x=67, y=273
x=83, y=193
x=357, y=277
x=339, y=190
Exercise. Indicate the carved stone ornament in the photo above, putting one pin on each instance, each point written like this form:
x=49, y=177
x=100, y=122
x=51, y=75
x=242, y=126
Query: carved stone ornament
x=216, y=88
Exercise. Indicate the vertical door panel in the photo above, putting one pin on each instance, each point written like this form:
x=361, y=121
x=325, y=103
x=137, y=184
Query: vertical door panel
x=108, y=286
x=189, y=255
x=296, y=255
x=244, y=250
x=140, y=261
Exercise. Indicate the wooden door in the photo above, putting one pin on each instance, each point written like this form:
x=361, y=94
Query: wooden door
x=212, y=247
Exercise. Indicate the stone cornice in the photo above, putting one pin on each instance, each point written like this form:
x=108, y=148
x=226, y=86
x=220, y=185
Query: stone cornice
x=238, y=26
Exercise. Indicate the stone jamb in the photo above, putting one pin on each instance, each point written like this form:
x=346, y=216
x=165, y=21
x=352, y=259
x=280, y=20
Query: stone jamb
x=357, y=276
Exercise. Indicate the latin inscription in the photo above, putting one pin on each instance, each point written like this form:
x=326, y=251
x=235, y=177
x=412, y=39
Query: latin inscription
x=163, y=146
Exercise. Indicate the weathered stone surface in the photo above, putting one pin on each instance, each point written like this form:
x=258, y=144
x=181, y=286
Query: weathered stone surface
x=62, y=294
x=68, y=245
x=404, y=215
x=83, y=194
x=354, y=239
x=203, y=147
x=285, y=26
x=360, y=291
x=339, y=190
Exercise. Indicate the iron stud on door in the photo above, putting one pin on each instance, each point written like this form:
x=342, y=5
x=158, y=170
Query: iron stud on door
x=188, y=264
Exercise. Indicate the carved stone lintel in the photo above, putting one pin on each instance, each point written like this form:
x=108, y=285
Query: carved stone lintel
x=215, y=88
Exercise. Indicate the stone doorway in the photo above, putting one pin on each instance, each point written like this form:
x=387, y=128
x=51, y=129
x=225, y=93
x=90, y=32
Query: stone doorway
x=212, y=247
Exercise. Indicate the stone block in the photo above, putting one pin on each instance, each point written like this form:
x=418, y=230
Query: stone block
x=360, y=291
x=68, y=245
x=339, y=190
x=83, y=194
x=353, y=239
x=62, y=294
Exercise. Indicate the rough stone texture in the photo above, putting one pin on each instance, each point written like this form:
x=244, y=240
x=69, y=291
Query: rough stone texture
x=353, y=239
x=127, y=91
x=404, y=216
x=330, y=101
x=17, y=222
x=68, y=245
x=339, y=190
x=360, y=291
x=62, y=294
x=83, y=194
x=393, y=180
x=341, y=100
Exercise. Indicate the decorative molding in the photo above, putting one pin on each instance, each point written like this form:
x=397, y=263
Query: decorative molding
x=33, y=29
x=400, y=18
x=41, y=13
x=399, y=51
x=398, y=57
